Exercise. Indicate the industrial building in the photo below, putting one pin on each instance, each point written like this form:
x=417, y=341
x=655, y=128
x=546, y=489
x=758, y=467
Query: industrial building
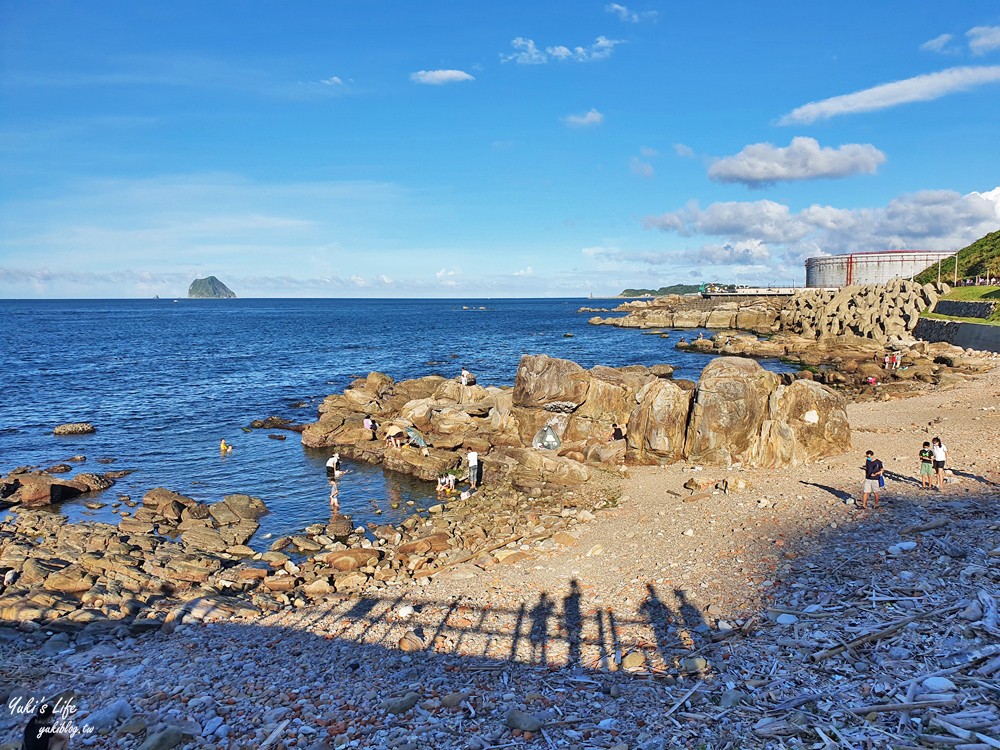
x=869, y=268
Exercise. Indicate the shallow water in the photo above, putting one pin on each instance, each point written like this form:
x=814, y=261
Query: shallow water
x=164, y=381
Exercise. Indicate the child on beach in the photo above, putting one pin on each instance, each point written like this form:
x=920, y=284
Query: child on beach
x=940, y=457
x=926, y=465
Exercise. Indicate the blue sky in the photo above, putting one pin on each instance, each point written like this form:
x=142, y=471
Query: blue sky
x=388, y=149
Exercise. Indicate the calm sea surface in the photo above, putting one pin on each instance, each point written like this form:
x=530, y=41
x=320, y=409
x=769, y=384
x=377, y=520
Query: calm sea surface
x=163, y=381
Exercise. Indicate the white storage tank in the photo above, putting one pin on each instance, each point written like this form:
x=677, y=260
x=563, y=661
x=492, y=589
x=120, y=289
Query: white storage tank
x=869, y=268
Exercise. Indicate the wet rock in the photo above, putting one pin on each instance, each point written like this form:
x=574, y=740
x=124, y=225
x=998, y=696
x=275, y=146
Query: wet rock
x=75, y=428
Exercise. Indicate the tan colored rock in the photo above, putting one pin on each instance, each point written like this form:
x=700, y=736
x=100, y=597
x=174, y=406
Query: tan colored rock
x=730, y=406
x=543, y=380
x=75, y=428
x=817, y=417
x=349, y=559
x=657, y=424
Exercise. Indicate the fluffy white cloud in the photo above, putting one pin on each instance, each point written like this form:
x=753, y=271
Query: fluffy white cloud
x=527, y=53
x=804, y=159
x=983, y=39
x=332, y=81
x=928, y=220
x=937, y=44
x=440, y=77
x=630, y=16
x=685, y=152
x=586, y=120
x=921, y=88
x=640, y=167
x=529, y=271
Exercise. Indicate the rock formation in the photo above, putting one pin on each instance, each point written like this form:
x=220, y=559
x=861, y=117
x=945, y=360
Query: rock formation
x=209, y=288
x=878, y=312
x=738, y=412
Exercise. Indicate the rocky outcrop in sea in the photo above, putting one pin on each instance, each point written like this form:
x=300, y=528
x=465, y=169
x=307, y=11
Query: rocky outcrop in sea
x=736, y=413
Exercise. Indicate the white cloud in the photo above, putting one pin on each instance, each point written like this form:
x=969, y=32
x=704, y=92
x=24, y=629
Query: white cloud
x=647, y=152
x=440, y=77
x=937, y=44
x=630, y=16
x=528, y=271
x=332, y=81
x=921, y=88
x=685, y=152
x=358, y=281
x=804, y=159
x=640, y=167
x=589, y=119
x=983, y=39
x=928, y=220
x=527, y=53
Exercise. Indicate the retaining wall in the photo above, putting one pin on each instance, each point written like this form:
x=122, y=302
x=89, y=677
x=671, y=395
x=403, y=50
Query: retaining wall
x=965, y=309
x=966, y=335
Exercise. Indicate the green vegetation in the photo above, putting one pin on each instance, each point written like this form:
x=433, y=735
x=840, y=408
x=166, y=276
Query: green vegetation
x=974, y=294
x=209, y=288
x=662, y=291
x=993, y=320
x=981, y=258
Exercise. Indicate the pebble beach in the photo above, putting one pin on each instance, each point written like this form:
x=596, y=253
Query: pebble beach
x=733, y=620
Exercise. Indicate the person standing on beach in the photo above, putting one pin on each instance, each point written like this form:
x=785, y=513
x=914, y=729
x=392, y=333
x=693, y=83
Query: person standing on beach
x=940, y=458
x=873, y=471
x=473, y=459
x=926, y=465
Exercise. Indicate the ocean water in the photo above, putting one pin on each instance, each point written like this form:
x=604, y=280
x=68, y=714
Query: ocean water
x=163, y=381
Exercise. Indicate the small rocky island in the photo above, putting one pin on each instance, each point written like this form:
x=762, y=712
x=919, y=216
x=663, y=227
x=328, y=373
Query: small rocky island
x=209, y=288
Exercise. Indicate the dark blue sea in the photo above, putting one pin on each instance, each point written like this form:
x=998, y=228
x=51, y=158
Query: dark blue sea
x=163, y=381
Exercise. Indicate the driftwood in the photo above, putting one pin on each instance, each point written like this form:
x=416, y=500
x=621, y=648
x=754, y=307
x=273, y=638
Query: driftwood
x=879, y=634
x=929, y=526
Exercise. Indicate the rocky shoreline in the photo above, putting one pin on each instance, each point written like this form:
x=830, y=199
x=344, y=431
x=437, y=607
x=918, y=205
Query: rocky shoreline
x=837, y=338
x=81, y=594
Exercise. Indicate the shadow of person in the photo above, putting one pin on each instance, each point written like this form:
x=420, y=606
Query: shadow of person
x=690, y=616
x=839, y=494
x=658, y=615
x=539, y=632
x=573, y=622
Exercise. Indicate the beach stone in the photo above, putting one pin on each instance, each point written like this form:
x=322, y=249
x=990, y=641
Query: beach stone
x=517, y=719
x=938, y=685
x=786, y=618
x=732, y=698
x=163, y=740
x=105, y=719
x=401, y=705
x=634, y=660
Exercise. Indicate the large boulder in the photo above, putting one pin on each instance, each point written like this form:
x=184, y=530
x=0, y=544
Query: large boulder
x=817, y=418
x=427, y=465
x=731, y=404
x=534, y=468
x=657, y=424
x=546, y=381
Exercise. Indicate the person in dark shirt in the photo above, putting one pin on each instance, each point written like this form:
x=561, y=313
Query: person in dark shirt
x=38, y=734
x=926, y=466
x=873, y=470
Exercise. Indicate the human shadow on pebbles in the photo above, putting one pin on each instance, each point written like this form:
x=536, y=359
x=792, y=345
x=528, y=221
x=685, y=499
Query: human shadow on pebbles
x=864, y=624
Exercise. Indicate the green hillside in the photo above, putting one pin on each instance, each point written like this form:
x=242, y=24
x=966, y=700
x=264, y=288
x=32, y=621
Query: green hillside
x=981, y=258
x=662, y=291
